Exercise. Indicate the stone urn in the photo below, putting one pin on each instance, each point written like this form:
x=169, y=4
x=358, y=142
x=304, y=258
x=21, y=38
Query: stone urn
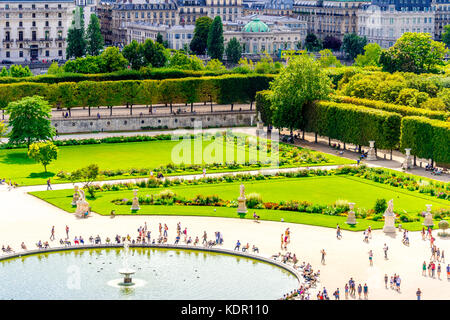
x=242, y=207
x=351, y=217
x=407, y=164
x=135, y=204
x=428, y=221
x=389, y=218
x=371, y=156
x=76, y=196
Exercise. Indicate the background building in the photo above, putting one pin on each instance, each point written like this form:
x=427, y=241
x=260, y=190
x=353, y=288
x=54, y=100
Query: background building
x=34, y=30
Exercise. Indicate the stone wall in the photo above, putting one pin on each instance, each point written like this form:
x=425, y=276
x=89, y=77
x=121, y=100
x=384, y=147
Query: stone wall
x=147, y=122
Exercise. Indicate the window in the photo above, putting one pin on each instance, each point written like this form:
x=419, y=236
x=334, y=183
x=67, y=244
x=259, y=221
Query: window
x=7, y=23
x=21, y=54
x=33, y=23
x=60, y=53
x=20, y=35
x=20, y=24
x=7, y=54
x=47, y=53
x=33, y=15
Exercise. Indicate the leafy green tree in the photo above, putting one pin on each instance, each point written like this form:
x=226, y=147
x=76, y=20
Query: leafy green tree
x=215, y=39
x=414, y=52
x=312, y=43
x=160, y=39
x=328, y=59
x=94, y=36
x=199, y=41
x=380, y=206
x=301, y=82
x=215, y=65
x=154, y=54
x=133, y=52
x=353, y=45
x=185, y=62
x=445, y=38
x=54, y=68
x=88, y=64
x=112, y=60
x=371, y=56
x=76, y=42
x=87, y=175
x=43, y=152
x=17, y=71
x=233, y=51
x=29, y=120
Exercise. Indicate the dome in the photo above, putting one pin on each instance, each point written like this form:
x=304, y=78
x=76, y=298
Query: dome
x=256, y=25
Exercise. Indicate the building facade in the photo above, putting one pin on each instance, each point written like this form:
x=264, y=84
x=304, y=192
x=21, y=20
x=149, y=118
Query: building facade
x=115, y=17
x=441, y=9
x=34, y=30
x=329, y=18
x=383, y=22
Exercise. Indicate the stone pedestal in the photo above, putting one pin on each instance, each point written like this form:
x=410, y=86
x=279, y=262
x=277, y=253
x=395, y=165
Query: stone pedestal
x=371, y=156
x=76, y=196
x=428, y=221
x=351, y=217
x=389, y=218
x=135, y=203
x=242, y=207
x=407, y=164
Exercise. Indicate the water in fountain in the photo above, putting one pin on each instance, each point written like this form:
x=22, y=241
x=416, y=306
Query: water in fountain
x=127, y=272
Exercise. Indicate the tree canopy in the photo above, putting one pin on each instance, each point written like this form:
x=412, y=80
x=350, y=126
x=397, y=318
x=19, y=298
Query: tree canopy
x=76, y=41
x=233, y=51
x=215, y=39
x=199, y=41
x=94, y=36
x=353, y=45
x=43, y=152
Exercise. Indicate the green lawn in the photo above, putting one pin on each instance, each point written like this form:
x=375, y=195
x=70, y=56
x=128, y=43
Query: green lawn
x=15, y=164
x=320, y=190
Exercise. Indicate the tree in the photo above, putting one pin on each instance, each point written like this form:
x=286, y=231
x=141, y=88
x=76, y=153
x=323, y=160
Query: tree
x=215, y=39
x=159, y=39
x=233, y=51
x=327, y=59
x=94, y=36
x=446, y=36
x=29, y=120
x=112, y=60
x=215, y=65
x=182, y=61
x=17, y=71
x=54, y=68
x=353, y=45
x=371, y=56
x=43, y=152
x=332, y=43
x=87, y=175
x=414, y=52
x=312, y=43
x=199, y=41
x=154, y=54
x=76, y=42
x=133, y=52
x=302, y=81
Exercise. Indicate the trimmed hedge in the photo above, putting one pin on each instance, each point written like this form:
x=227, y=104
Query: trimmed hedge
x=403, y=110
x=429, y=139
x=152, y=74
x=353, y=124
x=224, y=89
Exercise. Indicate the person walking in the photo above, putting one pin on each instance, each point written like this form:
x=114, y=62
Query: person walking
x=359, y=290
x=323, y=256
x=49, y=186
x=439, y=271
x=448, y=271
x=385, y=249
x=366, y=291
x=346, y=291
x=52, y=236
x=418, y=293
x=371, y=257
x=386, y=279
x=424, y=269
x=67, y=232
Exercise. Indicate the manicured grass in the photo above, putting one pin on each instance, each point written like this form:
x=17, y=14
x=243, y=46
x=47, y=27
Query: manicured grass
x=318, y=190
x=15, y=164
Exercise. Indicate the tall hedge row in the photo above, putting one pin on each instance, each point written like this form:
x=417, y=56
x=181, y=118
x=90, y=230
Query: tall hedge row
x=223, y=90
x=263, y=106
x=403, y=110
x=429, y=139
x=151, y=74
x=353, y=124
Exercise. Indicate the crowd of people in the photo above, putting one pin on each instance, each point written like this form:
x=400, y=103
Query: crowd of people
x=10, y=184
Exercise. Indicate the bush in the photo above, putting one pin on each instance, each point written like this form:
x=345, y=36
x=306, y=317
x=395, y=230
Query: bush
x=253, y=200
x=380, y=206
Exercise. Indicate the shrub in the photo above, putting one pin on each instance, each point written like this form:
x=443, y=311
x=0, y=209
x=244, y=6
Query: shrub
x=380, y=206
x=253, y=200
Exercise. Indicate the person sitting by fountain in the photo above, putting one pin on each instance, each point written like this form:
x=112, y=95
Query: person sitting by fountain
x=255, y=249
x=23, y=246
x=85, y=215
x=98, y=240
x=61, y=242
x=67, y=242
x=177, y=239
x=238, y=246
x=46, y=245
x=91, y=239
x=197, y=240
x=75, y=241
x=108, y=240
x=39, y=244
x=189, y=240
x=81, y=240
x=245, y=248
x=276, y=256
x=9, y=249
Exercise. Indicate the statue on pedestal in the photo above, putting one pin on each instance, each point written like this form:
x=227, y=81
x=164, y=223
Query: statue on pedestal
x=135, y=203
x=351, y=217
x=75, y=196
x=428, y=221
x=389, y=218
x=371, y=156
x=82, y=204
x=242, y=207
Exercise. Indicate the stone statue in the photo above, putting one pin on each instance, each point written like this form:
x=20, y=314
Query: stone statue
x=135, y=203
x=242, y=188
x=389, y=218
x=76, y=196
x=82, y=204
